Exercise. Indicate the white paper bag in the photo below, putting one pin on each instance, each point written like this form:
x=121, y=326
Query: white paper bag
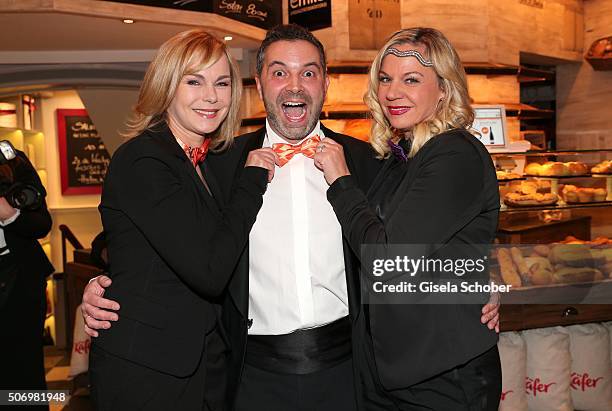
x=591, y=379
x=547, y=385
x=79, y=360
x=608, y=325
x=513, y=355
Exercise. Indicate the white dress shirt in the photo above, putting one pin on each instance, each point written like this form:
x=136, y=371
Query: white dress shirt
x=3, y=247
x=296, y=259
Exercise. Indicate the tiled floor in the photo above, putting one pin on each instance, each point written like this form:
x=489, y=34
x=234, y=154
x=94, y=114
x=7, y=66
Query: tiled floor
x=57, y=368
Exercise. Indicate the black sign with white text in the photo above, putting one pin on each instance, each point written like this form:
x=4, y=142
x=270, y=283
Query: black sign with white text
x=259, y=13
x=312, y=14
x=191, y=5
x=264, y=14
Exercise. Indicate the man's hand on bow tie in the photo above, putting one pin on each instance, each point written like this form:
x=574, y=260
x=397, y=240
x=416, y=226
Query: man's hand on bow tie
x=329, y=157
x=264, y=158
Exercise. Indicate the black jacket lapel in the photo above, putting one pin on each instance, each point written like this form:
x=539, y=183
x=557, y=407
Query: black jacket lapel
x=351, y=263
x=239, y=286
x=213, y=184
x=167, y=139
x=347, y=151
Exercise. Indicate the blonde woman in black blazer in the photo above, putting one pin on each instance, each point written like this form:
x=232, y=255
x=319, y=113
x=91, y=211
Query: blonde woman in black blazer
x=172, y=240
x=437, y=187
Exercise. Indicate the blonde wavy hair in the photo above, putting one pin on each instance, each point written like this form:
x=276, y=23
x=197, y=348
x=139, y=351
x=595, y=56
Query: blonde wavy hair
x=453, y=112
x=185, y=53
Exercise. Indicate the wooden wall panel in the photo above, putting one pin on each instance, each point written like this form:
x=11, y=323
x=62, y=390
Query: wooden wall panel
x=465, y=23
x=583, y=94
x=494, y=89
x=347, y=88
x=490, y=31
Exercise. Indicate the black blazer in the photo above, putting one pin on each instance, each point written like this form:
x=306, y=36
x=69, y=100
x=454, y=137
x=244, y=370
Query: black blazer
x=172, y=248
x=22, y=234
x=447, y=195
x=362, y=163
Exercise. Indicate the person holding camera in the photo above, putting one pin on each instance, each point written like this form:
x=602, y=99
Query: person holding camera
x=24, y=267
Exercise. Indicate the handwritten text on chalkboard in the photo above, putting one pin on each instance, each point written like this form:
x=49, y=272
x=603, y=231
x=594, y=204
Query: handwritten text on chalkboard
x=83, y=154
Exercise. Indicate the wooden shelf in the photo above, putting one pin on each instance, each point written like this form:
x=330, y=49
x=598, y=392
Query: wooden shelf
x=360, y=111
x=556, y=207
x=360, y=67
x=541, y=153
x=31, y=142
x=516, y=317
x=530, y=76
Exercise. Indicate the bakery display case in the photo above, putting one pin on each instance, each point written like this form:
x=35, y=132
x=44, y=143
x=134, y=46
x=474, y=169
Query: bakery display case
x=556, y=223
x=558, y=179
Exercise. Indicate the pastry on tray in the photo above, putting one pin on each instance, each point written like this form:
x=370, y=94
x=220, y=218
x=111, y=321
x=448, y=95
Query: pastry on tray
x=557, y=169
x=506, y=175
x=605, y=167
x=530, y=200
x=574, y=194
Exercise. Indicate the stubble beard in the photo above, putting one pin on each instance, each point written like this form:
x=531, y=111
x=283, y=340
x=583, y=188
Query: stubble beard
x=274, y=112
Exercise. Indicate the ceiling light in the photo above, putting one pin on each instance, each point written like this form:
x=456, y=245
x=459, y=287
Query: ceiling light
x=128, y=21
x=228, y=38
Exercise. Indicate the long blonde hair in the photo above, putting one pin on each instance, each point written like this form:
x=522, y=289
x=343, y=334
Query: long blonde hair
x=454, y=111
x=186, y=53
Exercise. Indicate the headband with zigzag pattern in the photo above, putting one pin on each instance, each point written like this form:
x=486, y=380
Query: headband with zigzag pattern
x=409, y=53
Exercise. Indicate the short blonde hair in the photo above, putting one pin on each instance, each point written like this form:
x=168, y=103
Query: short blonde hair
x=185, y=53
x=454, y=111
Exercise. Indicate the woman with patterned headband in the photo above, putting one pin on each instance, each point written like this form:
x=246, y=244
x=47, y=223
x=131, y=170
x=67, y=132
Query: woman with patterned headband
x=437, y=187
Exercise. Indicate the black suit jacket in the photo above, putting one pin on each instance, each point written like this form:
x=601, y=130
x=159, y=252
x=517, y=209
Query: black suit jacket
x=172, y=248
x=22, y=290
x=22, y=234
x=362, y=163
x=448, y=195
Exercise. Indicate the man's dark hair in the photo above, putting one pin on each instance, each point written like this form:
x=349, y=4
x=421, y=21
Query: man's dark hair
x=289, y=32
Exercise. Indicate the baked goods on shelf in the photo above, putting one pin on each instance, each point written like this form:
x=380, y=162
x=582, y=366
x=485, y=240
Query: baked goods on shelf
x=573, y=261
x=508, y=271
x=599, y=241
x=530, y=200
x=530, y=186
x=577, y=168
x=507, y=175
x=605, y=167
x=574, y=194
x=567, y=275
x=529, y=194
x=533, y=169
x=557, y=169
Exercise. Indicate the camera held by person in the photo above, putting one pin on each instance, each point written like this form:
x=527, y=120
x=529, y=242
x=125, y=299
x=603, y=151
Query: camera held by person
x=18, y=194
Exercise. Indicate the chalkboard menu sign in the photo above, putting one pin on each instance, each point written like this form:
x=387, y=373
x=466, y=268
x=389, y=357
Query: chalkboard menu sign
x=83, y=157
x=259, y=13
x=312, y=14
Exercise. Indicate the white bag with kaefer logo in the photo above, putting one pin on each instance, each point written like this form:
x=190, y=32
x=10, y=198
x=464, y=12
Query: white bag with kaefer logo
x=547, y=385
x=591, y=378
x=513, y=356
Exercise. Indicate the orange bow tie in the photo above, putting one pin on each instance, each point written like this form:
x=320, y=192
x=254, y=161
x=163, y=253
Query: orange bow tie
x=287, y=151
